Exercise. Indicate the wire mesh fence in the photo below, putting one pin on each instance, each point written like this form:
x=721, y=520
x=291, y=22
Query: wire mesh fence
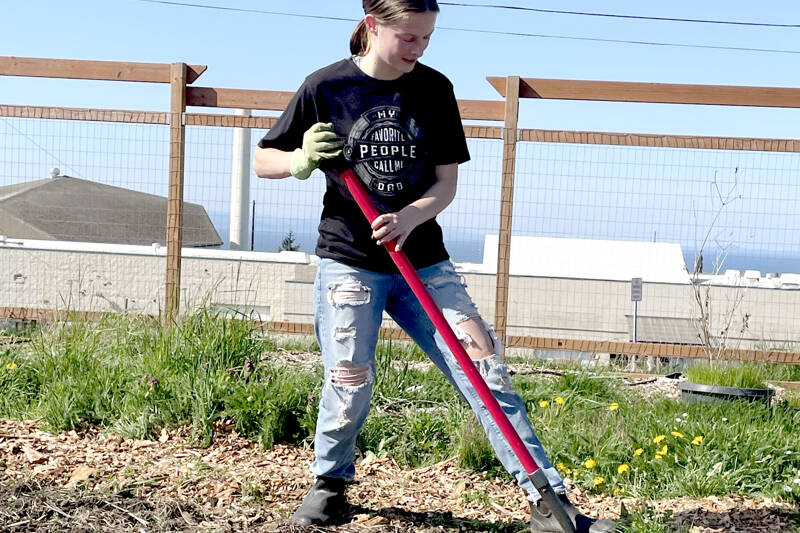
x=738, y=206
x=713, y=234
x=714, y=228
x=280, y=207
x=120, y=154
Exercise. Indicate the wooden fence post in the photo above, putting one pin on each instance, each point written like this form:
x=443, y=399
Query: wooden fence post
x=506, y=206
x=177, y=147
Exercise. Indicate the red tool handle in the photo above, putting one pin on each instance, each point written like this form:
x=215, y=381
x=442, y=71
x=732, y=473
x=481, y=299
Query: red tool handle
x=436, y=316
x=536, y=475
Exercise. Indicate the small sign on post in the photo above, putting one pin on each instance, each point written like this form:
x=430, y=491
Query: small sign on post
x=636, y=297
x=636, y=289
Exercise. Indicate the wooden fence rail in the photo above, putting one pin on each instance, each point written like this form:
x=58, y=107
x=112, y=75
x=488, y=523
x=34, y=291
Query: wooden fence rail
x=180, y=76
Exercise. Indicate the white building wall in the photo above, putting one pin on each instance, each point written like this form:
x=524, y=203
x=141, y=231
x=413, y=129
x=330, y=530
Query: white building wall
x=278, y=287
x=88, y=277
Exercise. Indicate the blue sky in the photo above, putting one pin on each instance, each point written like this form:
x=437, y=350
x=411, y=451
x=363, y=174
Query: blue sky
x=271, y=51
x=251, y=50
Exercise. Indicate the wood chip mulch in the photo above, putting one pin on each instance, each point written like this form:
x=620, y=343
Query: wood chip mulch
x=92, y=481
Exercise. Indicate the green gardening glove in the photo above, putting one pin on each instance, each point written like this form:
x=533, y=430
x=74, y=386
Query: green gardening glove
x=319, y=142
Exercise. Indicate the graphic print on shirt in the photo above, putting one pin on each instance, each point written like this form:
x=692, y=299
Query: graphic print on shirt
x=385, y=148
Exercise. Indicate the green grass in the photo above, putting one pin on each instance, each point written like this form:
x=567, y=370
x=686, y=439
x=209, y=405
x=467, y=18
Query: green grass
x=745, y=375
x=793, y=400
x=645, y=520
x=776, y=372
x=133, y=377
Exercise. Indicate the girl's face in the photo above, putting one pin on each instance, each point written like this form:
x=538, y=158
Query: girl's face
x=395, y=47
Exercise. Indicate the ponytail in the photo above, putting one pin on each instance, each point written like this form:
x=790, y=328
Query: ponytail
x=385, y=11
x=359, y=41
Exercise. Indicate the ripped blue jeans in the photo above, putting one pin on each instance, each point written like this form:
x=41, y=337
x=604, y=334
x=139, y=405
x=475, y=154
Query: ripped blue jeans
x=349, y=303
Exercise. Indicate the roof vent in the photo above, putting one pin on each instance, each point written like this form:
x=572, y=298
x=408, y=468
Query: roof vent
x=54, y=172
x=752, y=274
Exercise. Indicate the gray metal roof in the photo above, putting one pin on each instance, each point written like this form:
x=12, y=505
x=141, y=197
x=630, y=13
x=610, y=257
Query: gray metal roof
x=559, y=257
x=73, y=209
x=664, y=330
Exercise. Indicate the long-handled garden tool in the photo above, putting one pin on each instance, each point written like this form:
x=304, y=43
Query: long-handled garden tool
x=400, y=259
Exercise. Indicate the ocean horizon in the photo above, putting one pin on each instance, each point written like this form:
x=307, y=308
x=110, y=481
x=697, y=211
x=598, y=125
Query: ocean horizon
x=467, y=247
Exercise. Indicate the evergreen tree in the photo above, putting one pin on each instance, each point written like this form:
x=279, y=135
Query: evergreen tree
x=288, y=243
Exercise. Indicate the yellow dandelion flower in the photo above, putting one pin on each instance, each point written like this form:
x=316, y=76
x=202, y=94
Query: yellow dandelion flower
x=697, y=440
x=12, y=366
x=613, y=407
x=617, y=491
x=599, y=481
x=564, y=468
x=659, y=438
x=677, y=434
x=663, y=451
x=659, y=457
x=638, y=452
x=621, y=469
x=544, y=403
x=559, y=400
x=590, y=463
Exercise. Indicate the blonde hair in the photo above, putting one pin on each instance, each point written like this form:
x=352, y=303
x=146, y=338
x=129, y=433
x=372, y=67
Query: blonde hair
x=385, y=11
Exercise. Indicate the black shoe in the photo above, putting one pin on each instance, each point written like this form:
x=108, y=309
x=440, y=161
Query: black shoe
x=323, y=505
x=543, y=521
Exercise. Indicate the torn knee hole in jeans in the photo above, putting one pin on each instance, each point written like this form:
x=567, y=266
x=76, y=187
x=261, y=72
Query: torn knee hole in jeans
x=455, y=319
x=495, y=373
x=341, y=334
x=347, y=374
x=348, y=292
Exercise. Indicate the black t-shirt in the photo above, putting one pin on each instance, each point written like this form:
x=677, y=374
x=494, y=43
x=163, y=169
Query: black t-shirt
x=397, y=131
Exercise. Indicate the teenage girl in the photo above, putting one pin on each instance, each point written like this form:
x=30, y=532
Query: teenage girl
x=396, y=123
